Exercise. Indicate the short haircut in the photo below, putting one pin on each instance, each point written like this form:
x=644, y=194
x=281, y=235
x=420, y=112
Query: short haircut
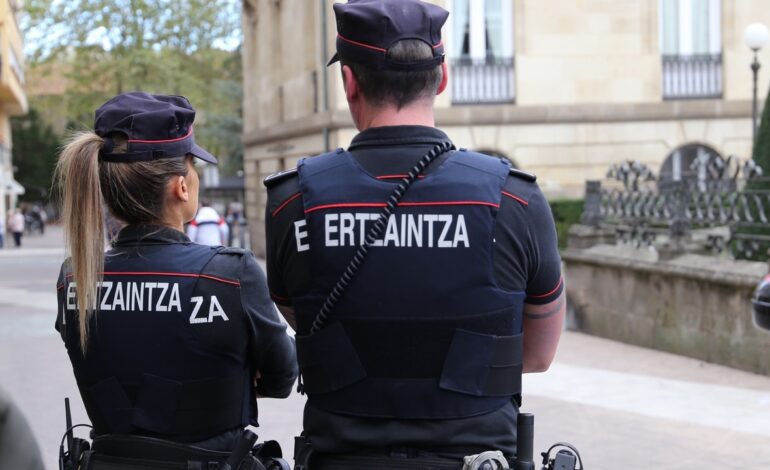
x=395, y=86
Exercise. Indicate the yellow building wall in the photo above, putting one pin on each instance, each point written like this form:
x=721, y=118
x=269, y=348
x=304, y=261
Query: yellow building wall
x=571, y=57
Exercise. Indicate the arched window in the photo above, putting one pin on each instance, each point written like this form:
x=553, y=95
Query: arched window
x=689, y=163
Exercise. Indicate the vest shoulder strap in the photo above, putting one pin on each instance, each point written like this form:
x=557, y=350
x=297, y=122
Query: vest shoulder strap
x=276, y=178
x=529, y=177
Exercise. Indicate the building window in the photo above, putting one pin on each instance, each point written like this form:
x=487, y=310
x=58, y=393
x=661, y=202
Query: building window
x=481, y=53
x=691, y=47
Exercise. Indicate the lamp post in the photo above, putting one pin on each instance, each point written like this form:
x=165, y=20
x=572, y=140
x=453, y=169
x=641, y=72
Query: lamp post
x=755, y=36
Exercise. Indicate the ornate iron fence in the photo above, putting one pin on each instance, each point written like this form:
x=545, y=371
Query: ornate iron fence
x=485, y=81
x=726, y=207
x=692, y=76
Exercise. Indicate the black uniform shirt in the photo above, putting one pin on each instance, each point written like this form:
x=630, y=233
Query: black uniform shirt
x=526, y=258
x=129, y=344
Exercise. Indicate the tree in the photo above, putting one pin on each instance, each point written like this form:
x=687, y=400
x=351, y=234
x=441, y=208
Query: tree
x=761, y=152
x=108, y=47
x=35, y=147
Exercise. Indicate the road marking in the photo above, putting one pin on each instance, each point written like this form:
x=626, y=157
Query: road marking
x=717, y=406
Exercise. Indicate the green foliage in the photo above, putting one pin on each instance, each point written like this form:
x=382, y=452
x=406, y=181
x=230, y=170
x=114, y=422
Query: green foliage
x=566, y=212
x=761, y=156
x=107, y=47
x=761, y=153
x=35, y=146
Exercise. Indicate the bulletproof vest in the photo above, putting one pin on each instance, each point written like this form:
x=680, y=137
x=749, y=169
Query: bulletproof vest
x=423, y=330
x=166, y=347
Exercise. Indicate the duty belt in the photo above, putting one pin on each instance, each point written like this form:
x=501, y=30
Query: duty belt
x=122, y=452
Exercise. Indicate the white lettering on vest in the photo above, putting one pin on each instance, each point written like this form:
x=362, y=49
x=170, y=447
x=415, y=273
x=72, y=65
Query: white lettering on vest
x=331, y=229
x=215, y=310
x=401, y=231
x=160, y=307
x=198, y=301
x=71, y=296
x=300, y=234
x=130, y=296
x=105, y=295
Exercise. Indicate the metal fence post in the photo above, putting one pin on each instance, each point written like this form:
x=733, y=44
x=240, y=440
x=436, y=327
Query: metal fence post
x=679, y=222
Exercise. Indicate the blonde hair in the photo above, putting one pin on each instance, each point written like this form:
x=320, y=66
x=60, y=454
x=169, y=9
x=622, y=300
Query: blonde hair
x=133, y=192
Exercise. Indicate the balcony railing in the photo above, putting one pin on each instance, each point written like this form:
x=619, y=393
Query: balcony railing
x=482, y=81
x=692, y=76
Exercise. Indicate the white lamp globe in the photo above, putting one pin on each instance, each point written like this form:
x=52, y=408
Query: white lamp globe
x=756, y=36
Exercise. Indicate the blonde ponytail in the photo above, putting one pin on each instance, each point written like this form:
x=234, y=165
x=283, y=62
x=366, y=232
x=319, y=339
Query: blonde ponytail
x=77, y=174
x=134, y=192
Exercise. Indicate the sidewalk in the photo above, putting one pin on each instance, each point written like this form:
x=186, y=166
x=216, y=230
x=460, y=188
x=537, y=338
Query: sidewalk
x=50, y=243
x=624, y=407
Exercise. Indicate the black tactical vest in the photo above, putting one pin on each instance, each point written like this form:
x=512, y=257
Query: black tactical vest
x=166, y=354
x=424, y=330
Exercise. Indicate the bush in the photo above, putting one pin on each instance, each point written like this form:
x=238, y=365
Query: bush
x=566, y=212
x=761, y=153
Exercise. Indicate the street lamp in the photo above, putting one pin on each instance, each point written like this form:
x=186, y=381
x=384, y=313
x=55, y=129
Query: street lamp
x=756, y=36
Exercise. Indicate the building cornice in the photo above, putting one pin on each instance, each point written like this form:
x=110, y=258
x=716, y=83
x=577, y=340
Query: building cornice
x=514, y=114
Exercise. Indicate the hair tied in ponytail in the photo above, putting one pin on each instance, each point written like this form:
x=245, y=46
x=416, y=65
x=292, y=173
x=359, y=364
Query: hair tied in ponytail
x=107, y=146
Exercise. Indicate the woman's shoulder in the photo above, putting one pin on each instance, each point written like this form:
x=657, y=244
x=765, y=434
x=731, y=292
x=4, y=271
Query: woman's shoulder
x=232, y=262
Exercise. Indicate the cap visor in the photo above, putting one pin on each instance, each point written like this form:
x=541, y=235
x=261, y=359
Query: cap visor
x=198, y=152
x=335, y=58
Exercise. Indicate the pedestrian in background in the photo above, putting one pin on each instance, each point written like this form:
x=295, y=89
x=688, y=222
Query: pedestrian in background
x=16, y=226
x=208, y=228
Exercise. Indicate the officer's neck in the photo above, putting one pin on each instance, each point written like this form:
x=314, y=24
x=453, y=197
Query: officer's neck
x=419, y=113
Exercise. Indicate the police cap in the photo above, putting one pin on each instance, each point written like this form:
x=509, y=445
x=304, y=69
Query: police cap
x=157, y=126
x=366, y=29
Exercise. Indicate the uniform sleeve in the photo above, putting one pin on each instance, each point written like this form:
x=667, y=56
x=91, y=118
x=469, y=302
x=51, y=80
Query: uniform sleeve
x=288, y=265
x=60, y=298
x=544, y=279
x=272, y=349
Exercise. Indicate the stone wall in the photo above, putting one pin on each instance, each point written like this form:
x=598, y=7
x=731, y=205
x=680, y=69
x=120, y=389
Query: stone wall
x=693, y=305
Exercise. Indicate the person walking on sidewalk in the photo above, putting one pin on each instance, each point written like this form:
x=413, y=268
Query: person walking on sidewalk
x=16, y=226
x=208, y=228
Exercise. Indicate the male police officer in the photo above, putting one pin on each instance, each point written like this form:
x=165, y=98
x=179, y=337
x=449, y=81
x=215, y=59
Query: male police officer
x=422, y=355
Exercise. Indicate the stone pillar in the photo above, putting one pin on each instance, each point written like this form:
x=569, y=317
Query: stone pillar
x=592, y=207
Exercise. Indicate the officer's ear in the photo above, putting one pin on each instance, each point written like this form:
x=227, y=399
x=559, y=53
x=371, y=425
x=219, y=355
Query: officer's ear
x=444, y=78
x=180, y=189
x=350, y=83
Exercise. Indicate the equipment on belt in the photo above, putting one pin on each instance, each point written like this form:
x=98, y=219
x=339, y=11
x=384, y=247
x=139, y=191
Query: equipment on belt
x=113, y=452
x=566, y=457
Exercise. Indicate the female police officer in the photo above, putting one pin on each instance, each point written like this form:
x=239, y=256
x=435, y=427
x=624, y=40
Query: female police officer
x=168, y=339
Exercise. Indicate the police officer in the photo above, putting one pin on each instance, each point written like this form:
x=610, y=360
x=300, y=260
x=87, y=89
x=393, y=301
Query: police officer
x=168, y=339
x=411, y=355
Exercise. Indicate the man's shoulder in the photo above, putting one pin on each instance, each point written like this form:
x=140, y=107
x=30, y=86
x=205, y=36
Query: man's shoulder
x=276, y=179
x=512, y=171
x=282, y=189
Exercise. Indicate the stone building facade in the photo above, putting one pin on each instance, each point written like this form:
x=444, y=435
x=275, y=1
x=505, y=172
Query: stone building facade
x=13, y=100
x=561, y=88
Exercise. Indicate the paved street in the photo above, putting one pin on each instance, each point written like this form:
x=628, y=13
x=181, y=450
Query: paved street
x=622, y=406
